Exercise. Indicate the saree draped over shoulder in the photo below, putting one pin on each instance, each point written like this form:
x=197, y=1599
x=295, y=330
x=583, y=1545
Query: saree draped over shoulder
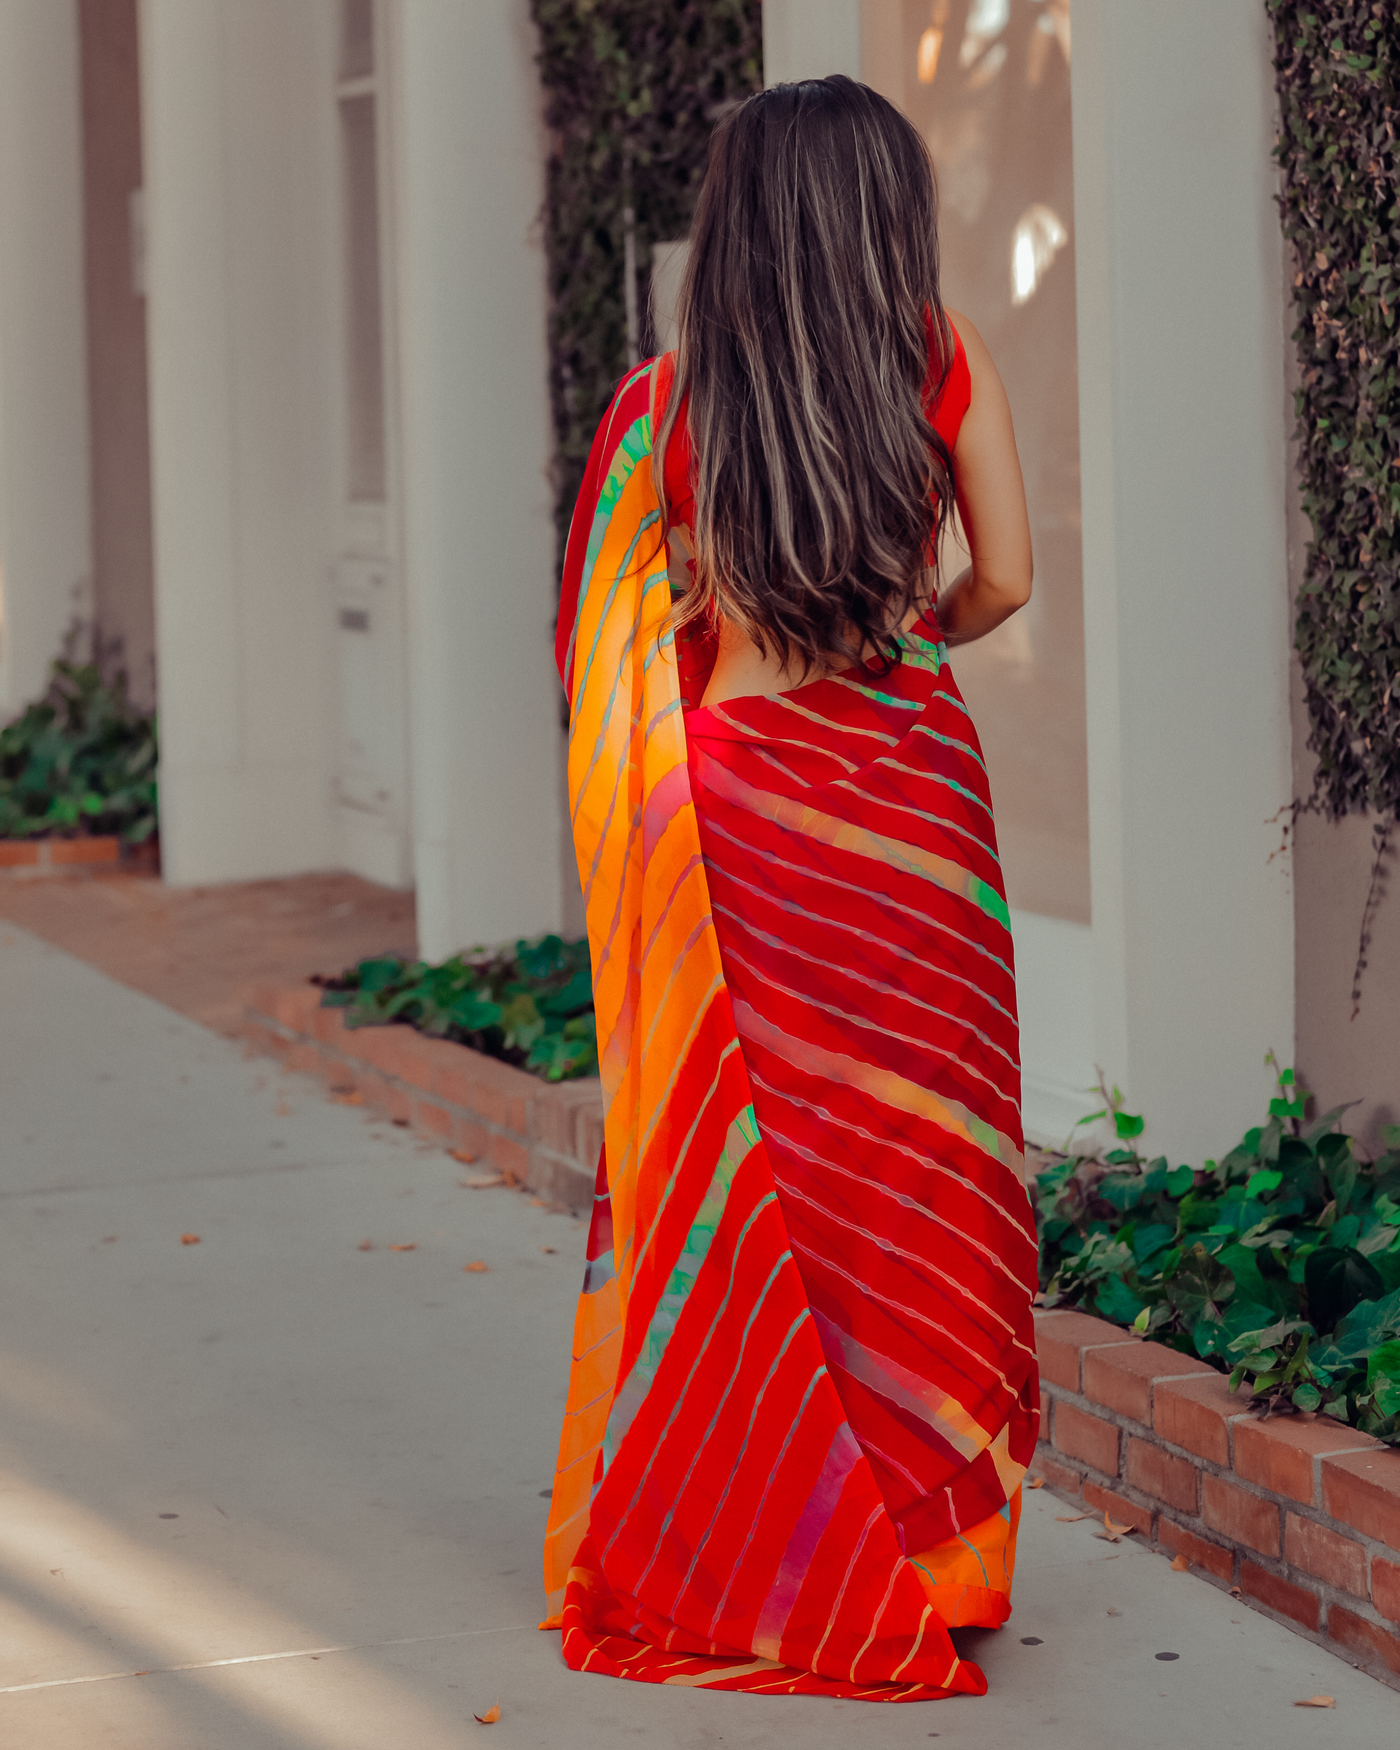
x=804, y=1389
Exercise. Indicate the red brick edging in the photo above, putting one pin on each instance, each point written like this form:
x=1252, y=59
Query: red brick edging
x=1300, y=1514
x=545, y=1136
x=22, y=859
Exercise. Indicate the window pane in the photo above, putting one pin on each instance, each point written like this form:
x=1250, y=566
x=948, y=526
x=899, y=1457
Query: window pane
x=364, y=326
x=356, y=38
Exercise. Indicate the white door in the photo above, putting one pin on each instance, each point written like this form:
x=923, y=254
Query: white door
x=366, y=610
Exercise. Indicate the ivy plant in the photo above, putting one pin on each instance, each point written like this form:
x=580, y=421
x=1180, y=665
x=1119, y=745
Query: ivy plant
x=633, y=89
x=1337, y=67
x=530, y=1003
x=80, y=761
x=1278, y=1263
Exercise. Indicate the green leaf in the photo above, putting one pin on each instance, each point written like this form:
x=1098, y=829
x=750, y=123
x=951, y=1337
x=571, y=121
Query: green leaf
x=1368, y=1324
x=1199, y=1287
x=473, y=1014
x=1150, y=1237
x=521, y=1021
x=1337, y=1280
x=1116, y=1301
x=1287, y=1108
x=1216, y=1335
x=1307, y=1397
x=1198, y=1212
x=1266, y=1179
x=1383, y=1363
x=377, y=975
x=1127, y=1125
x=1243, y=1264
x=1268, y=1337
x=576, y=994
x=1180, y=1181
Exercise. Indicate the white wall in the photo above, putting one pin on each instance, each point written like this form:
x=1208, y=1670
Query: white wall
x=1182, y=415
x=1055, y=1006
x=810, y=39
x=478, y=530
x=45, y=549
x=241, y=180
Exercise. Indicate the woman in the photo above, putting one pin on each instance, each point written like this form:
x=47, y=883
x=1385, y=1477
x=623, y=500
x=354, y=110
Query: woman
x=804, y=1387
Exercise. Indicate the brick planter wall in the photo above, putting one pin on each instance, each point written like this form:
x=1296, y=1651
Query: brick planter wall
x=1298, y=1513
x=544, y=1136
x=25, y=859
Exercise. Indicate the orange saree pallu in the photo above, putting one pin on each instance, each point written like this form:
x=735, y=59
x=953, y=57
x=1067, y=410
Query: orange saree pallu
x=804, y=1390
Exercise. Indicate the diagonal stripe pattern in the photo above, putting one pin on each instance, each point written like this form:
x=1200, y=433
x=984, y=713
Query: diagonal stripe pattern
x=803, y=1386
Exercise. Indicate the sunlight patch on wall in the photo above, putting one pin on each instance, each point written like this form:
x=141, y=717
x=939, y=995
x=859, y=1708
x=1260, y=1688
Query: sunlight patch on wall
x=1038, y=238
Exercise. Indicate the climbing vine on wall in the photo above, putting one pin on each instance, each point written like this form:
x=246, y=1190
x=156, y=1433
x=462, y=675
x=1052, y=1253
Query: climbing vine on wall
x=632, y=89
x=1337, y=64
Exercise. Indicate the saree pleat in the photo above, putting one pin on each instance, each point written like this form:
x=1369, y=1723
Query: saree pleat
x=803, y=1391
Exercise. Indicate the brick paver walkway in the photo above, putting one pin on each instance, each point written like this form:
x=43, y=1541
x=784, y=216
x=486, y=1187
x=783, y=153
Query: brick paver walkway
x=196, y=949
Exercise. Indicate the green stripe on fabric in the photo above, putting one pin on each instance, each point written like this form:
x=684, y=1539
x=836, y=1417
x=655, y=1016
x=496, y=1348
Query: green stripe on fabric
x=633, y=446
x=740, y=1140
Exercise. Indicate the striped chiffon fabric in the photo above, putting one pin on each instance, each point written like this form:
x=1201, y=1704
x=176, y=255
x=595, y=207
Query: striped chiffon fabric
x=803, y=1392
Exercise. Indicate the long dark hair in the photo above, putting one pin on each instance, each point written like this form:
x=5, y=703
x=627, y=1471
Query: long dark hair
x=809, y=315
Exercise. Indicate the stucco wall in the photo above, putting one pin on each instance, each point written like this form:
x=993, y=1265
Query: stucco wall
x=478, y=528
x=239, y=159
x=45, y=556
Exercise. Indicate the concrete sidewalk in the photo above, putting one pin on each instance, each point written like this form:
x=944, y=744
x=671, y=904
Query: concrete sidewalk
x=297, y=1483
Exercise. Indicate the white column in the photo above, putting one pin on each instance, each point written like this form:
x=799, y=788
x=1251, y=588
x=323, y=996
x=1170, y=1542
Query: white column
x=810, y=39
x=45, y=549
x=240, y=186
x=478, y=531
x=1182, y=414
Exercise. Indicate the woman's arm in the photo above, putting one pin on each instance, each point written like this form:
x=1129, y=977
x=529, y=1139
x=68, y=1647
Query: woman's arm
x=991, y=506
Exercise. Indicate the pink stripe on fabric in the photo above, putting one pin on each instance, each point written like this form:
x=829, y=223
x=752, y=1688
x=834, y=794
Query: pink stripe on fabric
x=840, y=1461
x=662, y=805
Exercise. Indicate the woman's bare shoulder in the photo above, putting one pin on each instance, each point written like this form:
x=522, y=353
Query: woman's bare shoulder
x=978, y=358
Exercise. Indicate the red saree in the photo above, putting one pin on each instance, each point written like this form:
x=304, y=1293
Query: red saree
x=804, y=1388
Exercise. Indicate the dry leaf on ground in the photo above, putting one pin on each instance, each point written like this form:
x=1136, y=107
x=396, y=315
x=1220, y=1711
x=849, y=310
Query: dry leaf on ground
x=412, y=1246
x=352, y=1099
x=549, y=1248
x=1235, y=1592
x=476, y=1267
x=1317, y=1701
x=465, y=1155
x=1071, y=1518
x=1036, y=1483
x=491, y=1715
x=1180, y=1564
x=189, y=1239
x=1113, y=1532
x=482, y=1184
x=539, y=1203
x=365, y=1246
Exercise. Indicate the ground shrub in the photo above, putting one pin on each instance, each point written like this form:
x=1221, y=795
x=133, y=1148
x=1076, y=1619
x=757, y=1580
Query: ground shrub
x=1279, y=1263
x=530, y=1003
x=80, y=761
